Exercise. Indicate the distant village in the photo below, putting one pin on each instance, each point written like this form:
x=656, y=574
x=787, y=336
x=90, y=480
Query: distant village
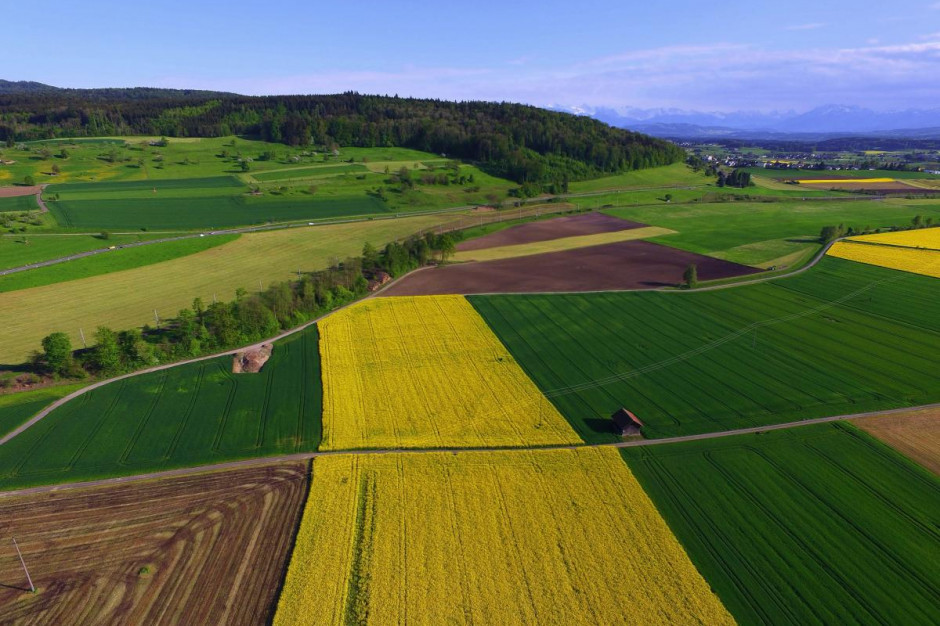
x=732, y=157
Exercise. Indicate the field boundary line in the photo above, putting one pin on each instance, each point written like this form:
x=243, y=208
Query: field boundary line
x=287, y=333
x=305, y=456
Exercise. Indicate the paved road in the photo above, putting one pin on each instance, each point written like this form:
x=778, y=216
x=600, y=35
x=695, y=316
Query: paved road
x=304, y=456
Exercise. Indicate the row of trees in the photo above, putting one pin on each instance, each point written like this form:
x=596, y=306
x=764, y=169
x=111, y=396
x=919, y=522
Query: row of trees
x=833, y=232
x=522, y=143
x=207, y=328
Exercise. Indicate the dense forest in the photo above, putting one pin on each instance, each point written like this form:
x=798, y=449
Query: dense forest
x=522, y=143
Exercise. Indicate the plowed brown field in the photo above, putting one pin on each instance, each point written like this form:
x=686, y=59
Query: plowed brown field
x=22, y=190
x=204, y=549
x=915, y=434
x=548, y=230
x=608, y=267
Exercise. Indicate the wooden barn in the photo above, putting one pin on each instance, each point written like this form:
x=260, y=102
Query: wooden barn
x=626, y=423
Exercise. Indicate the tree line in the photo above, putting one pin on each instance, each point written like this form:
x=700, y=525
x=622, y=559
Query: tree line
x=522, y=143
x=207, y=328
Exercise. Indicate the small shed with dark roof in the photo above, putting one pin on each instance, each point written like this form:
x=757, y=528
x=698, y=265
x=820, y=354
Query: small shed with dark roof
x=626, y=423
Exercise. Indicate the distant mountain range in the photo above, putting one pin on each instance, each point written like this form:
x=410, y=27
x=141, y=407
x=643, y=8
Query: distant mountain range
x=821, y=122
x=31, y=88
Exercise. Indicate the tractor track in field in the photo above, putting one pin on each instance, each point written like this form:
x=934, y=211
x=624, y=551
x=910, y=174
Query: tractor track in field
x=306, y=456
x=41, y=414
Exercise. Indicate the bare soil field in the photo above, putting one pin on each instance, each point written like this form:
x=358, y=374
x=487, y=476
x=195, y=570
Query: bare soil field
x=204, y=549
x=547, y=230
x=915, y=434
x=615, y=266
x=21, y=190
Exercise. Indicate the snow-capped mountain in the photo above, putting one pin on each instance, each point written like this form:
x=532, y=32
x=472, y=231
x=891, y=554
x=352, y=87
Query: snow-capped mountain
x=828, y=119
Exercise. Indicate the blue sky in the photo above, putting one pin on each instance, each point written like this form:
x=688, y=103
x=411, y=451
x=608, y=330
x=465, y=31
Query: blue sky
x=693, y=55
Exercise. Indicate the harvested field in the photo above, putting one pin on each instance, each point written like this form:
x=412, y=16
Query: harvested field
x=526, y=537
x=204, y=549
x=560, y=245
x=614, y=266
x=547, y=230
x=22, y=190
x=915, y=434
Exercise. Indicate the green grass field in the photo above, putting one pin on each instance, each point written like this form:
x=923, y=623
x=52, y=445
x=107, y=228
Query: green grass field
x=16, y=408
x=18, y=203
x=815, y=525
x=111, y=261
x=677, y=174
x=199, y=183
x=127, y=299
x=14, y=251
x=310, y=172
x=764, y=234
x=697, y=362
x=206, y=212
x=189, y=415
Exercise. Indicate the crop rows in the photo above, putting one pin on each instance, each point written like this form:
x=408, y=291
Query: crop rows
x=819, y=524
x=426, y=372
x=690, y=363
x=531, y=537
x=188, y=415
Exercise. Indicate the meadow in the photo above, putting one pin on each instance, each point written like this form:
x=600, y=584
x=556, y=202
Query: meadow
x=426, y=372
x=675, y=175
x=830, y=341
x=195, y=414
x=18, y=203
x=762, y=234
x=525, y=537
x=16, y=408
x=24, y=249
x=127, y=299
x=116, y=260
x=817, y=524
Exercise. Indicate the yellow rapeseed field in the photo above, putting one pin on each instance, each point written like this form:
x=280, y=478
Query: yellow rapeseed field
x=843, y=181
x=425, y=372
x=920, y=238
x=914, y=260
x=509, y=537
x=562, y=244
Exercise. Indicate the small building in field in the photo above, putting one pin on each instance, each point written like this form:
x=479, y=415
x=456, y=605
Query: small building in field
x=626, y=423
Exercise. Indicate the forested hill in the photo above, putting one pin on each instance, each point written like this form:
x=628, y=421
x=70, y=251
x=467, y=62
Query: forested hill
x=522, y=143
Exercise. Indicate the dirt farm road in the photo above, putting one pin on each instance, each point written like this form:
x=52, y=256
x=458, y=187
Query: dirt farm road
x=44, y=412
x=304, y=456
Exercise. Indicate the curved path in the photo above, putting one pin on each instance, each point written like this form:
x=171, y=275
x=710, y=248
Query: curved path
x=43, y=413
x=303, y=456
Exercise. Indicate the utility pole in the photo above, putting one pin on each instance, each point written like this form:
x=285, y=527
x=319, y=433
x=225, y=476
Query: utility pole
x=82, y=333
x=156, y=318
x=32, y=587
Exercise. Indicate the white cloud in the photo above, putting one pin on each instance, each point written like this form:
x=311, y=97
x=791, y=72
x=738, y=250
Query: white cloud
x=718, y=77
x=812, y=26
